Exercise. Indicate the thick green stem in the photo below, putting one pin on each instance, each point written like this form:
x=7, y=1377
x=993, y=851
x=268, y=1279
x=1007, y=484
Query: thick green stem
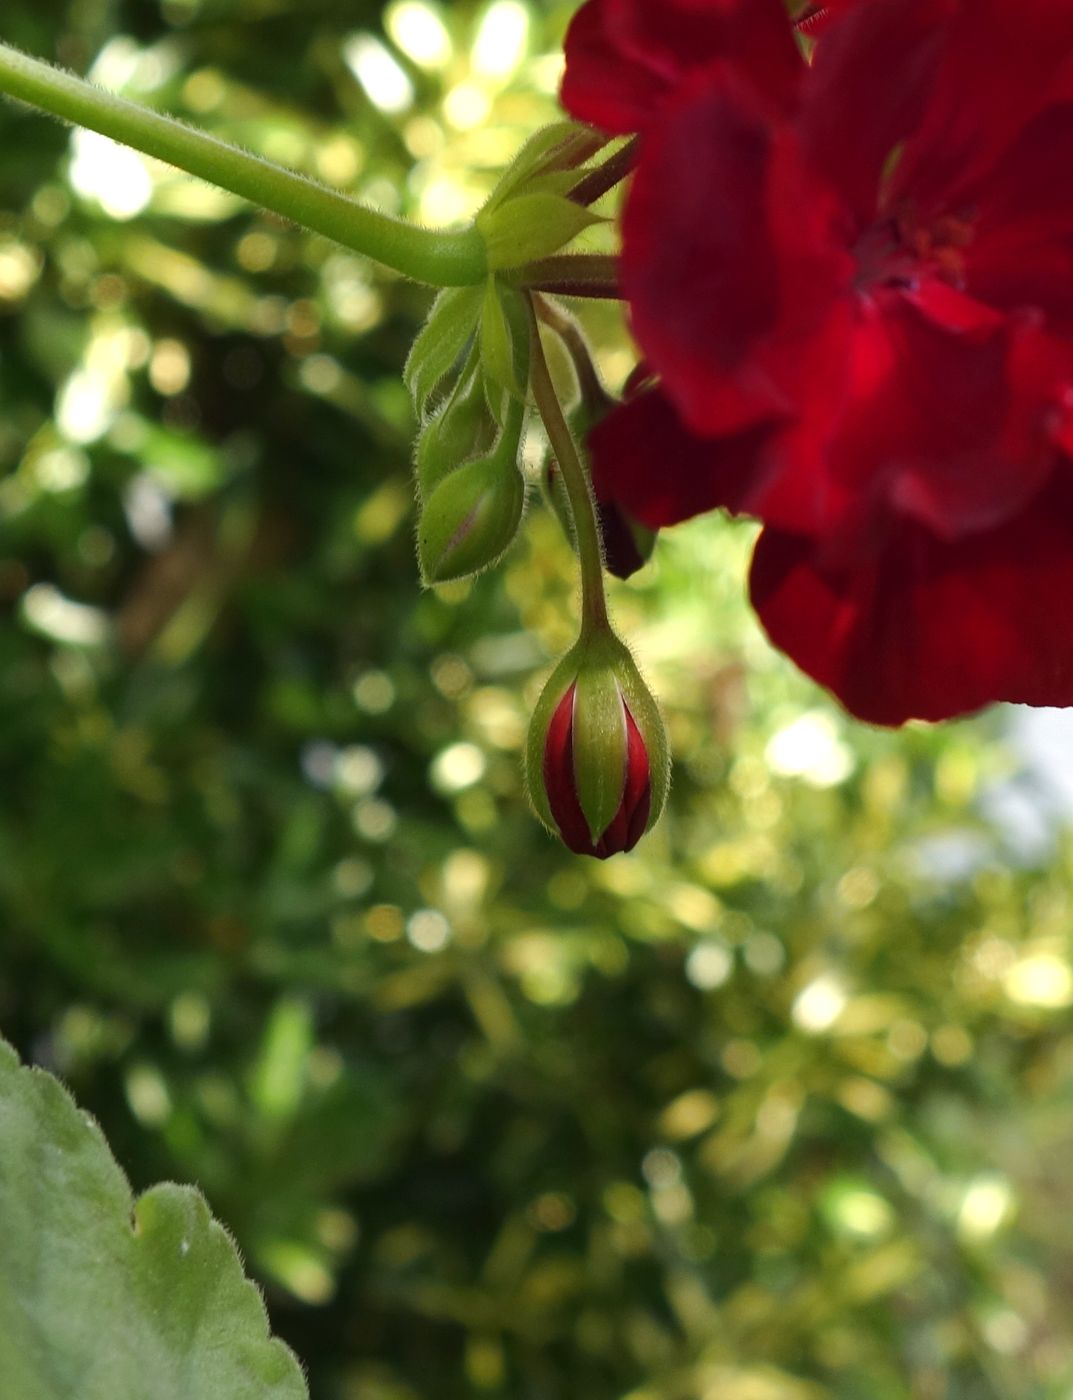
x=443, y=259
x=576, y=481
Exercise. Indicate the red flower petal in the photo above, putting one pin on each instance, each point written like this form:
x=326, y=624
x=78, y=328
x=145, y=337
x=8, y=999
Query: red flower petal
x=1002, y=61
x=867, y=91
x=645, y=460
x=600, y=86
x=929, y=629
x=1022, y=249
x=728, y=276
x=951, y=427
x=559, y=781
x=624, y=58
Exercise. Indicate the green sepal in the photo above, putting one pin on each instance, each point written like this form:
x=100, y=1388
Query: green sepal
x=504, y=344
x=559, y=182
x=441, y=341
x=562, y=145
x=531, y=226
x=642, y=706
x=462, y=428
x=599, y=742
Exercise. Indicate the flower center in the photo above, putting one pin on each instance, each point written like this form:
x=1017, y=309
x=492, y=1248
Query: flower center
x=903, y=248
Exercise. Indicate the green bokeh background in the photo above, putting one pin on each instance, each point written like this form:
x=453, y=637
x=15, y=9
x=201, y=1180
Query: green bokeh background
x=780, y=1107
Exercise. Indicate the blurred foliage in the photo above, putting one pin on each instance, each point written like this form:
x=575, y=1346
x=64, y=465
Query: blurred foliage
x=778, y=1108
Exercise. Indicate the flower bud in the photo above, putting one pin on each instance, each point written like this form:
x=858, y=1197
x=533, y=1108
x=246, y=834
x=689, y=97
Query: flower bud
x=469, y=519
x=597, y=754
x=462, y=428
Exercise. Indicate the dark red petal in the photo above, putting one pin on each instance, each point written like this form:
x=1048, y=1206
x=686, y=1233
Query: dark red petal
x=926, y=628
x=624, y=58
x=815, y=19
x=559, y=781
x=622, y=552
x=867, y=91
x=1002, y=60
x=647, y=461
x=679, y=37
x=950, y=426
x=1021, y=253
x=731, y=276
x=602, y=87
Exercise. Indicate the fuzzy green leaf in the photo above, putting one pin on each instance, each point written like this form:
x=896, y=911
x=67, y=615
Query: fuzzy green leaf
x=107, y=1298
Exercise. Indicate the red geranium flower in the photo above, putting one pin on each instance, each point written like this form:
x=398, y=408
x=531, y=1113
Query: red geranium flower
x=855, y=282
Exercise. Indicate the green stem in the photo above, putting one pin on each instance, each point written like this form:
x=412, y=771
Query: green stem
x=443, y=259
x=576, y=480
x=593, y=394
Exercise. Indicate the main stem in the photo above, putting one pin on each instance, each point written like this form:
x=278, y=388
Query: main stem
x=443, y=259
x=576, y=481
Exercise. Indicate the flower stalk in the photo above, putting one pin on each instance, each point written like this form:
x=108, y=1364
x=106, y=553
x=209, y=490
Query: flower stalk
x=576, y=480
x=440, y=258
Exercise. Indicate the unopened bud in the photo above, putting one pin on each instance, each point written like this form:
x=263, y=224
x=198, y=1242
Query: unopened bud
x=469, y=519
x=597, y=759
x=461, y=429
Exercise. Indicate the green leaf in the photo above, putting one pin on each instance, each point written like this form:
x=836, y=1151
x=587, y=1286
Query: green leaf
x=107, y=1298
x=440, y=342
x=533, y=226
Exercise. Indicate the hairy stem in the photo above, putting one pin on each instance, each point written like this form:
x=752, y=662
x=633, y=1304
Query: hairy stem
x=443, y=259
x=571, y=275
x=558, y=319
x=576, y=481
x=596, y=183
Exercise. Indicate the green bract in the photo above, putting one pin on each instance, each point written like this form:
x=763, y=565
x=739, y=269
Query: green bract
x=560, y=147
